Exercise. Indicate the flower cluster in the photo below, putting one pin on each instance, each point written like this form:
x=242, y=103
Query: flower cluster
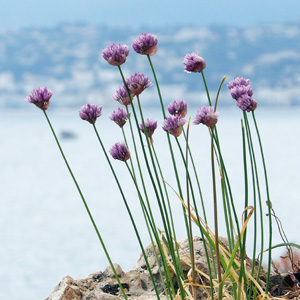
x=150, y=126
x=206, y=116
x=40, y=97
x=115, y=54
x=137, y=83
x=146, y=44
x=119, y=116
x=178, y=108
x=193, y=63
x=119, y=151
x=241, y=91
x=173, y=125
x=122, y=96
x=90, y=113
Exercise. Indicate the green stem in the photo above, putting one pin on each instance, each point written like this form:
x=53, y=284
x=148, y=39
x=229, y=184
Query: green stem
x=257, y=185
x=86, y=207
x=123, y=132
x=168, y=135
x=206, y=88
x=189, y=215
x=166, y=192
x=198, y=218
x=243, y=247
x=172, y=154
x=269, y=204
x=168, y=233
x=162, y=203
x=157, y=86
x=226, y=183
x=148, y=220
x=218, y=93
x=215, y=211
x=197, y=180
x=128, y=210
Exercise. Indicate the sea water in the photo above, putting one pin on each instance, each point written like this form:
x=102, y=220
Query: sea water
x=45, y=232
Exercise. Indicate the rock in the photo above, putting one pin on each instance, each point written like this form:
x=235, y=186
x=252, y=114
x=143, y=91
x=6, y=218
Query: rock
x=118, y=270
x=136, y=283
x=183, y=247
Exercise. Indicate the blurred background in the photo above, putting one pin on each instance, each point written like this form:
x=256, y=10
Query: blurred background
x=45, y=233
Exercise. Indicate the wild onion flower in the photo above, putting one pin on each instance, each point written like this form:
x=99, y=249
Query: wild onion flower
x=241, y=91
x=146, y=44
x=206, y=116
x=246, y=103
x=173, y=125
x=178, y=108
x=40, y=97
x=115, y=54
x=90, y=113
x=121, y=95
x=119, y=151
x=194, y=63
x=119, y=116
x=137, y=83
x=238, y=81
x=150, y=126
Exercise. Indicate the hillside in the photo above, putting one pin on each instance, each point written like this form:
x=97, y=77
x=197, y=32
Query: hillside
x=67, y=59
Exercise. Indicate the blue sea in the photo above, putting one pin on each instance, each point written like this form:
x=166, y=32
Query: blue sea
x=45, y=232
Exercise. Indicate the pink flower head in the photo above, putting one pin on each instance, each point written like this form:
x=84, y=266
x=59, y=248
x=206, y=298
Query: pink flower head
x=150, y=126
x=40, y=97
x=90, y=113
x=238, y=81
x=119, y=116
x=119, y=151
x=122, y=97
x=173, y=125
x=246, y=103
x=206, y=116
x=178, y=108
x=146, y=44
x=137, y=83
x=241, y=91
x=115, y=54
x=194, y=63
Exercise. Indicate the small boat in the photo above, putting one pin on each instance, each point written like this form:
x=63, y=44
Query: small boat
x=67, y=134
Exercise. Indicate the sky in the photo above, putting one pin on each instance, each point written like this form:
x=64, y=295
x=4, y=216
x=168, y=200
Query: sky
x=18, y=14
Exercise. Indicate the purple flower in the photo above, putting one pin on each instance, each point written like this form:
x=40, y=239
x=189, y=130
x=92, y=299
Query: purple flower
x=206, y=116
x=122, y=97
x=115, y=54
x=119, y=151
x=194, y=63
x=119, y=116
x=178, y=108
x=90, y=113
x=241, y=91
x=137, y=83
x=238, y=81
x=246, y=103
x=40, y=97
x=146, y=43
x=173, y=125
x=150, y=126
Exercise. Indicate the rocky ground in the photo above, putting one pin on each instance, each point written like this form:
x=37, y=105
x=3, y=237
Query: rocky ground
x=137, y=283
